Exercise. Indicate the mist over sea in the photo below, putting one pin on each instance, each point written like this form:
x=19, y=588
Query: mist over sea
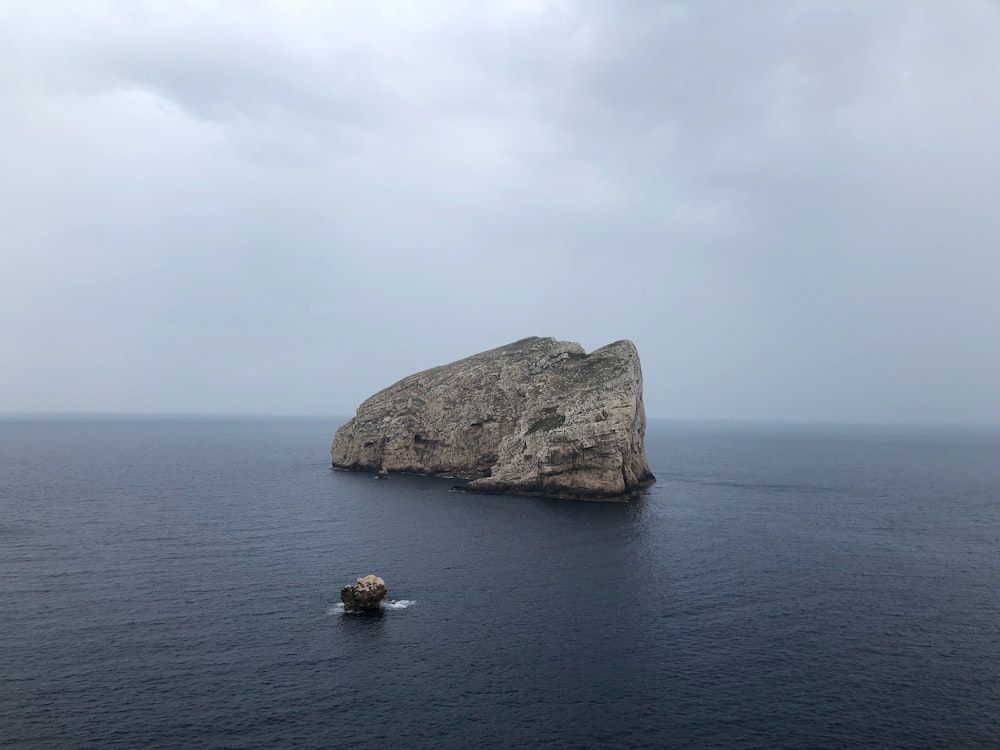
x=173, y=583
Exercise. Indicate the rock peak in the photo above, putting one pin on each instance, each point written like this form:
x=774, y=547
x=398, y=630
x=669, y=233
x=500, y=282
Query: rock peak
x=537, y=416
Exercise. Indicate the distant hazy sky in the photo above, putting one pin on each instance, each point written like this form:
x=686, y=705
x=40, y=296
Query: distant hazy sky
x=792, y=208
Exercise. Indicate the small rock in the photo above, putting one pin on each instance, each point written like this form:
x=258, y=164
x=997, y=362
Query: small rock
x=366, y=595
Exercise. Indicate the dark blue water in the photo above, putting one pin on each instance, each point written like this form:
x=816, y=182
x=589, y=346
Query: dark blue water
x=172, y=583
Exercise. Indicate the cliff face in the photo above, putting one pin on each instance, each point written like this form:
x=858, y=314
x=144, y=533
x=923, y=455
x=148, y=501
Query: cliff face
x=537, y=417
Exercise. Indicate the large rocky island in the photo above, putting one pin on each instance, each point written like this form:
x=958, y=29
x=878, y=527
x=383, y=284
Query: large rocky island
x=536, y=417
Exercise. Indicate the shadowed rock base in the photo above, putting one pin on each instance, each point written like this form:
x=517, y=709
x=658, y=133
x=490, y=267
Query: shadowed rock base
x=535, y=417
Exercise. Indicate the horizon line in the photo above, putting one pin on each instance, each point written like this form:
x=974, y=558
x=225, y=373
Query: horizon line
x=774, y=421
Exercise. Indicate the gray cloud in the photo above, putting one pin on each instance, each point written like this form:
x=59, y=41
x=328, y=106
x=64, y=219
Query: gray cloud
x=279, y=208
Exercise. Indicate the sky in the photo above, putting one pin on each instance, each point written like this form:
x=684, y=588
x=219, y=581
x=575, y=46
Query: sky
x=267, y=207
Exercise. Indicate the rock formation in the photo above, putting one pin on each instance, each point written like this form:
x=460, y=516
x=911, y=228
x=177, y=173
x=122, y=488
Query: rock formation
x=366, y=595
x=536, y=417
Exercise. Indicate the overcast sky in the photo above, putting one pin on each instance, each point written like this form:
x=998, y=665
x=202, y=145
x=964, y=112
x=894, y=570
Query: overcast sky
x=792, y=208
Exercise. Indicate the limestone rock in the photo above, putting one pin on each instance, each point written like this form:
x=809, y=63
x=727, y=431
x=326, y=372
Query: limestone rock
x=535, y=417
x=366, y=595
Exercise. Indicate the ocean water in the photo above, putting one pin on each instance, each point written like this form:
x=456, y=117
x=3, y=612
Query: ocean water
x=173, y=583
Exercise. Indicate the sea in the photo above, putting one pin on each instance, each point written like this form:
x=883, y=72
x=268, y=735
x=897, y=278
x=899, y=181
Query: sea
x=174, y=583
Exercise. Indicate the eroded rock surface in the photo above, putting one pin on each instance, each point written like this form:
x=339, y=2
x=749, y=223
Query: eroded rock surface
x=536, y=417
x=367, y=594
